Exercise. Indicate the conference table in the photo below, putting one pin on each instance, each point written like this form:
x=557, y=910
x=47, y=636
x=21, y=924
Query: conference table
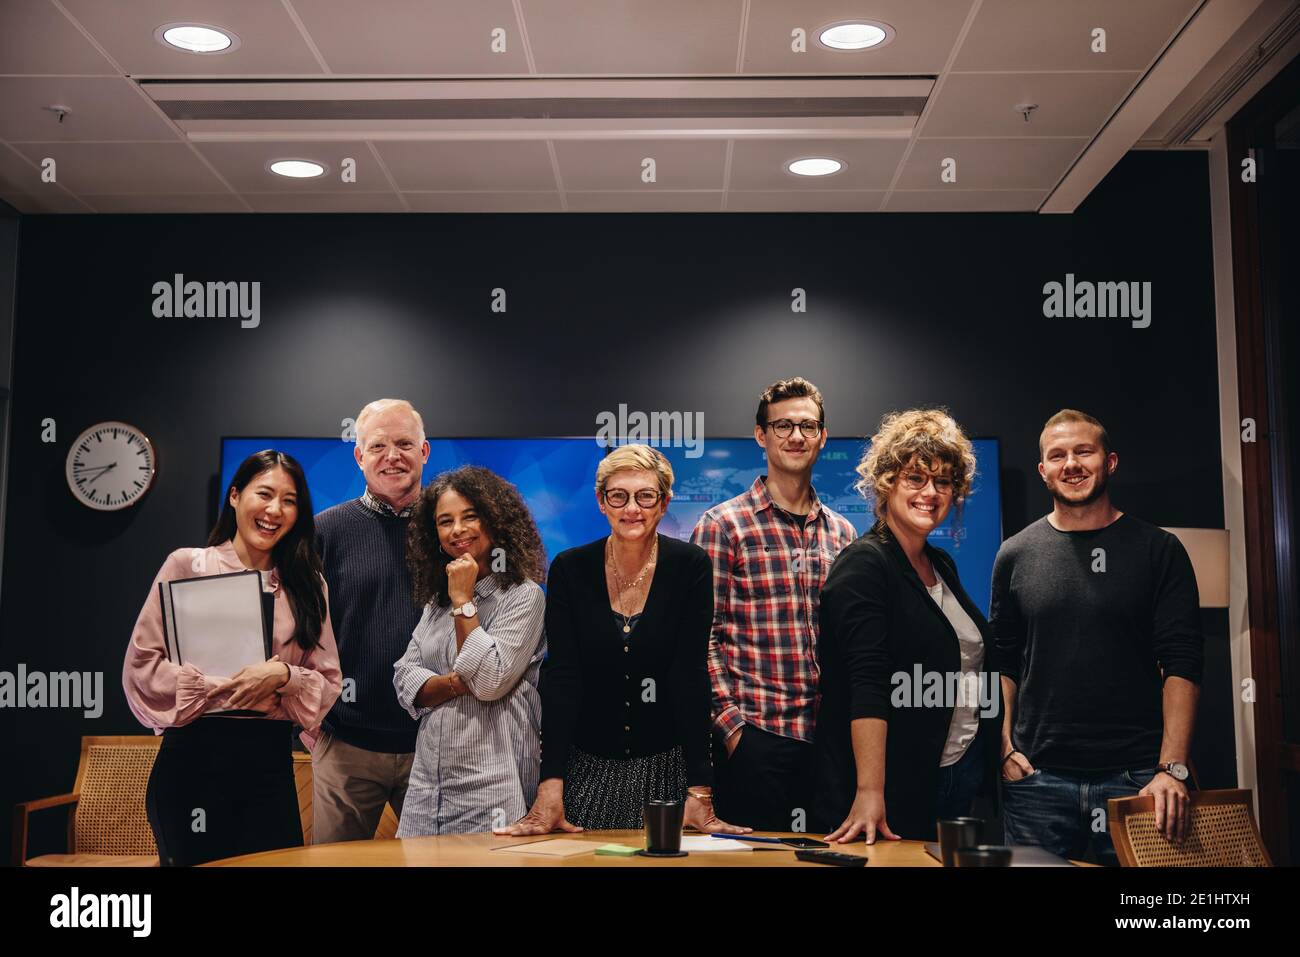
x=489, y=850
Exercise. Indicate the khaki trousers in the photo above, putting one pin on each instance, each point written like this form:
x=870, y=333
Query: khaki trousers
x=350, y=787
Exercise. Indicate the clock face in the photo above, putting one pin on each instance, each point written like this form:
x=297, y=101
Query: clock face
x=110, y=466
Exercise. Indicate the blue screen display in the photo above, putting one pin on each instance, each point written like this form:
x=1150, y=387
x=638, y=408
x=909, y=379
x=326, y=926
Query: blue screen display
x=556, y=477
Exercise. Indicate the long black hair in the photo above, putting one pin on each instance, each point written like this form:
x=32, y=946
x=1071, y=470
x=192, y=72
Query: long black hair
x=294, y=555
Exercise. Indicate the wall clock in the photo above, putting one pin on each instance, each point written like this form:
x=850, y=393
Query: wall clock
x=110, y=466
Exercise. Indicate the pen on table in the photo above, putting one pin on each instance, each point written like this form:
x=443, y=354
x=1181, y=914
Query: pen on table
x=751, y=837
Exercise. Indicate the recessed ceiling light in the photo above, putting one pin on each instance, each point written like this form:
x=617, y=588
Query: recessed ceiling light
x=298, y=169
x=856, y=35
x=815, y=166
x=196, y=38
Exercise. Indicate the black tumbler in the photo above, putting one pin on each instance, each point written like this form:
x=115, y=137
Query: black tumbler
x=959, y=832
x=663, y=827
x=984, y=855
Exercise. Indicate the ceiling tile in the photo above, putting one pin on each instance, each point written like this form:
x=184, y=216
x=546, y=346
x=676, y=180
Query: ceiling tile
x=1020, y=35
x=36, y=38
x=667, y=201
x=168, y=203
x=688, y=37
x=982, y=104
x=990, y=164
x=244, y=166
x=269, y=42
x=869, y=163
x=925, y=31
x=126, y=167
x=806, y=200
x=53, y=200
x=468, y=165
x=19, y=175
x=325, y=202
x=421, y=37
x=964, y=201
x=616, y=165
x=99, y=108
x=494, y=202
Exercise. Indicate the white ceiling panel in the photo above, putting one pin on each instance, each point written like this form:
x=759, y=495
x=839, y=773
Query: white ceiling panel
x=99, y=108
x=869, y=164
x=269, y=42
x=617, y=165
x=585, y=90
x=667, y=201
x=37, y=38
x=168, y=203
x=964, y=201
x=806, y=200
x=87, y=168
x=325, y=202
x=1037, y=35
x=684, y=37
x=493, y=202
x=245, y=167
x=925, y=34
x=414, y=37
x=983, y=104
x=468, y=165
x=990, y=164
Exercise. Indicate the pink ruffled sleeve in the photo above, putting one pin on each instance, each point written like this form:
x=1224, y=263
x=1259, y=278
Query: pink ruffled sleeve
x=161, y=693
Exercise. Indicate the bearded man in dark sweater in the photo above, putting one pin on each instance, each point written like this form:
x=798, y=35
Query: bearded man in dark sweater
x=1097, y=635
x=363, y=757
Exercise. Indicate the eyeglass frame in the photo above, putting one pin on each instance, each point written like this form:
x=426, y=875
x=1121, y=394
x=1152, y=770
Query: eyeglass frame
x=658, y=494
x=930, y=479
x=820, y=423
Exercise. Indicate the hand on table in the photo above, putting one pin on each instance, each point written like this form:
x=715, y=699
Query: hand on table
x=866, y=817
x=699, y=815
x=546, y=814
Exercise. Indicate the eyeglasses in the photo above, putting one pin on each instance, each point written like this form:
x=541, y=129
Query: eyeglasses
x=919, y=480
x=646, y=497
x=782, y=428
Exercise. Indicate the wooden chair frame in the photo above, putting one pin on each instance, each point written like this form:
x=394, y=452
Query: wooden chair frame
x=1120, y=809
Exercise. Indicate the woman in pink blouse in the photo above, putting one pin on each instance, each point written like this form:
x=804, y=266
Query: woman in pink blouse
x=222, y=784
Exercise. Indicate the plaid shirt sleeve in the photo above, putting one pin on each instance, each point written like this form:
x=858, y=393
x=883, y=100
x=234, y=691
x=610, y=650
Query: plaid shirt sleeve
x=711, y=536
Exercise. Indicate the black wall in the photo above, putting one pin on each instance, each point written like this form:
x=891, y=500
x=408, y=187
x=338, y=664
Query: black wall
x=673, y=312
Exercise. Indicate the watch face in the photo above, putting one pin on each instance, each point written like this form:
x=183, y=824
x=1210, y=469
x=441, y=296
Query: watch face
x=1179, y=771
x=110, y=466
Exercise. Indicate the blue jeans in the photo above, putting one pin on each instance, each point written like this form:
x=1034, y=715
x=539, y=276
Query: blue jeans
x=958, y=783
x=1065, y=812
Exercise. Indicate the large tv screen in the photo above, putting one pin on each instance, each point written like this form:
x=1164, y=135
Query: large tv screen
x=556, y=476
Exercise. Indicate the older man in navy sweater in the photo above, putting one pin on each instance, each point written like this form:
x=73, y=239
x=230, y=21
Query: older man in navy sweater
x=363, y=757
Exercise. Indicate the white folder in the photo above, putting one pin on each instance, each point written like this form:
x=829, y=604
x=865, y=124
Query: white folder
x=215, y=623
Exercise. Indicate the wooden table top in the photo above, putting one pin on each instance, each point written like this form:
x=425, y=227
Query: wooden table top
x=488, y=850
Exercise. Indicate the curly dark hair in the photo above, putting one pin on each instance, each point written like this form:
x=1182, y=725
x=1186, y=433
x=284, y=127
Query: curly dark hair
x=504, y=516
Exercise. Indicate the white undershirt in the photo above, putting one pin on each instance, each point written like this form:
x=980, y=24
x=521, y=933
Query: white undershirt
x=965, y=716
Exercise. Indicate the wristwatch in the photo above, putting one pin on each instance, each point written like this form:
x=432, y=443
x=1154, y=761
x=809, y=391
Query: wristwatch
x=467, y=610
x=1175, y=769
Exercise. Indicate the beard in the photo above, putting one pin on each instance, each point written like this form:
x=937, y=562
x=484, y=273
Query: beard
x=1098, y=490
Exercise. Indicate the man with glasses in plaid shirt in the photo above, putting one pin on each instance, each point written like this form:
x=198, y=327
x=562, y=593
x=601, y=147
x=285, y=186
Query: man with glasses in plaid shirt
x=772, y=547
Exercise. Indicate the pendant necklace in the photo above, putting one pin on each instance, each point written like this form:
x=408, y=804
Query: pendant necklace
x=618, y=579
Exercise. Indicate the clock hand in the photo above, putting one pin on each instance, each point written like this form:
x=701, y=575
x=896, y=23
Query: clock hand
x=99, y=468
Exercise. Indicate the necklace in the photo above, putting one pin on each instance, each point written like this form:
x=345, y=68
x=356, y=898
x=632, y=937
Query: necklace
x=618, y=579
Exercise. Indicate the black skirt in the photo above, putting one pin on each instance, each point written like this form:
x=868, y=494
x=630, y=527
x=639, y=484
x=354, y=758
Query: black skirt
x=611, y=793
x=221, y=787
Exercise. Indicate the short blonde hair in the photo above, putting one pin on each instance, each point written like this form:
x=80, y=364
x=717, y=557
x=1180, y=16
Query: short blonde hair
x=639, y=457
x=379, y=406
x=929, y=436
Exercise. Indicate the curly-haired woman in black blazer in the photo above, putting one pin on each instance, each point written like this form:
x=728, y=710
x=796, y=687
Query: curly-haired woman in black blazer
x=908, y=729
